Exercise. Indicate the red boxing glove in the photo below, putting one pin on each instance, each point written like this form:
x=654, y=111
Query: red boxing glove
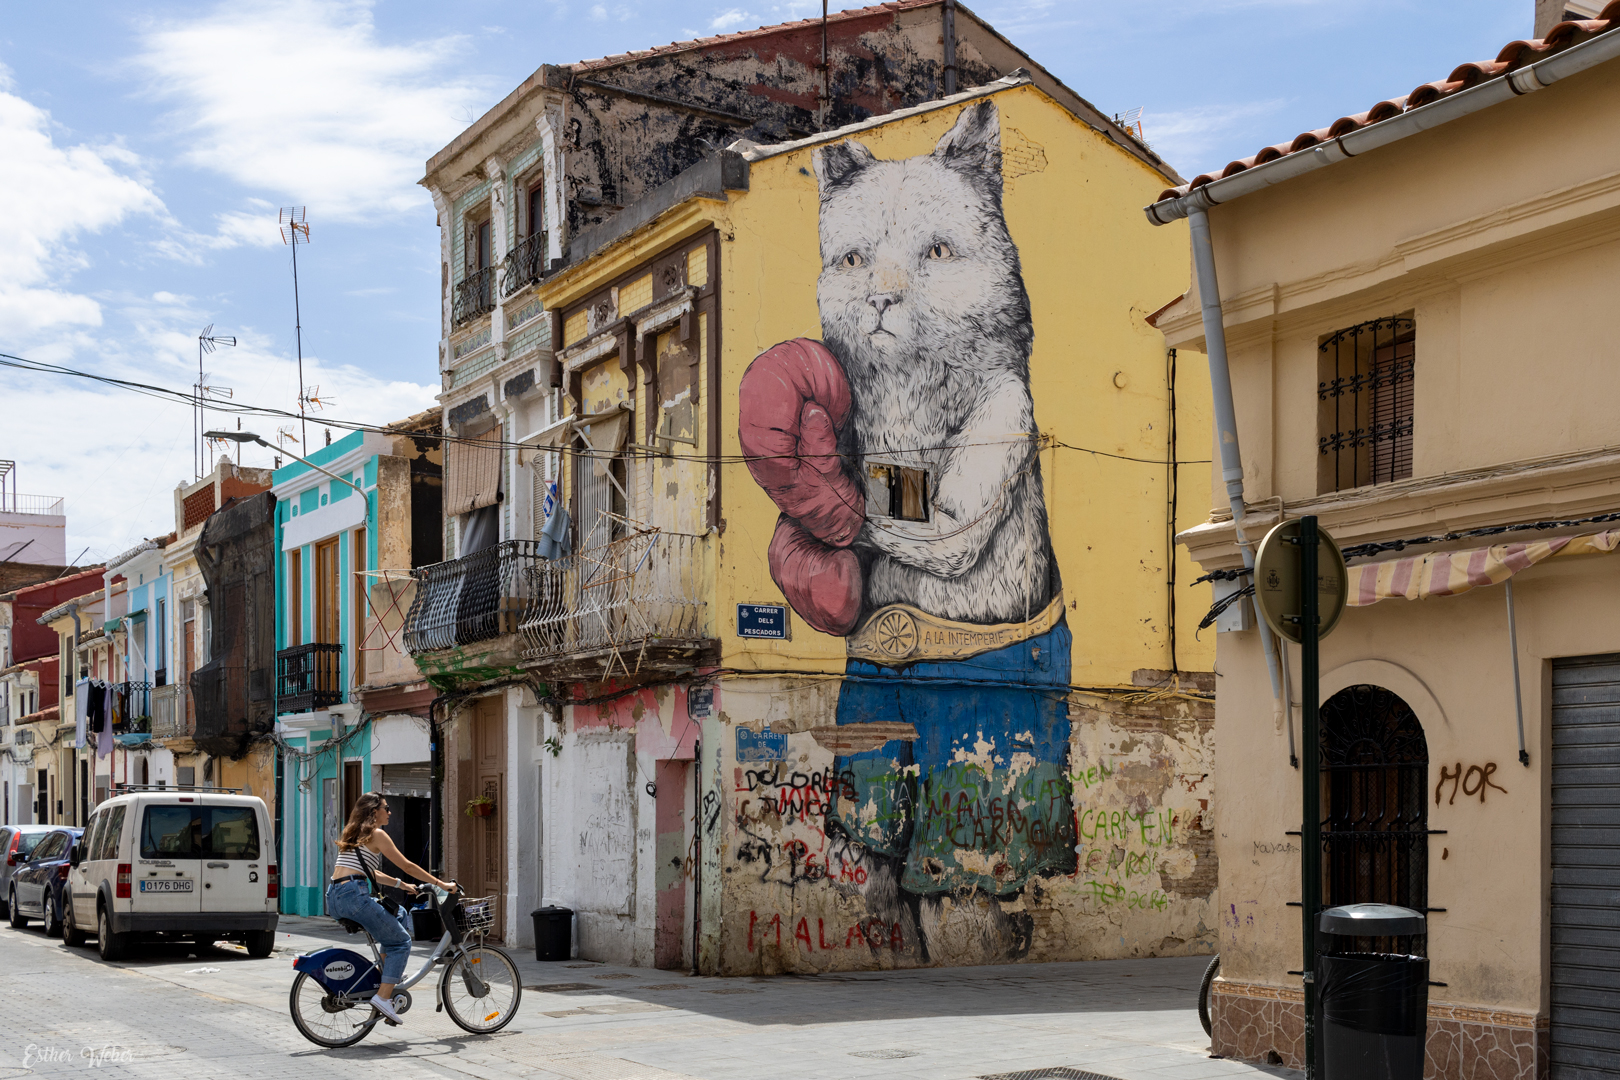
x=793, y=401
x=822, y=583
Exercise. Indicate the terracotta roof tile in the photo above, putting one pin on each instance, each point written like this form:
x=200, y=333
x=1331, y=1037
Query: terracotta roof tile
x=720, y=39
x=1514, y=55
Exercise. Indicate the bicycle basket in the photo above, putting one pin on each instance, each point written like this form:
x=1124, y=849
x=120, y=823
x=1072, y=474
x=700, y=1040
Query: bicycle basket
x=476, y=914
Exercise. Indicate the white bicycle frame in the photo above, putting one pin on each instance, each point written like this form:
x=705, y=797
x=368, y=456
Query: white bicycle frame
x=447, y=944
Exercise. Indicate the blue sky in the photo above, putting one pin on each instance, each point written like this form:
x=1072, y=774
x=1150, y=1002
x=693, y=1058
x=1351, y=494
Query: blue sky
x=147, y=147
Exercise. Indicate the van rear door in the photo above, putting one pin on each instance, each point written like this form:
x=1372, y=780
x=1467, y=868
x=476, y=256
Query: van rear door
x=168, y=846
x=235, y=858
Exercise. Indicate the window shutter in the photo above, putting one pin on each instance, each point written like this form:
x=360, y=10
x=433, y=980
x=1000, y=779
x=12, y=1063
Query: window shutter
x=472, y=474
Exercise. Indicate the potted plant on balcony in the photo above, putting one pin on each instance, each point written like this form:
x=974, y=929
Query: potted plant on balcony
x=483, y=806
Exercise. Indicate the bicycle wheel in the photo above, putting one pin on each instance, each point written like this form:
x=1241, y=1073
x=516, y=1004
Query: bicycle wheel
x=481, y=989
x=1203, y=994
x=323, y=1019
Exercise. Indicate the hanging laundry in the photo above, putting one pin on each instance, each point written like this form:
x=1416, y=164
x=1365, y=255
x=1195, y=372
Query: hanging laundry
x=81, y=710
x=111, y=715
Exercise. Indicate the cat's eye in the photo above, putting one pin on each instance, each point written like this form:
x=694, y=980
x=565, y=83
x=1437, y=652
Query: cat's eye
x=852, y=259
x=940, y=250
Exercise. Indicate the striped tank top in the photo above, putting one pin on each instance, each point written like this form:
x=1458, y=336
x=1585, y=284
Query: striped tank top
x=349, y=858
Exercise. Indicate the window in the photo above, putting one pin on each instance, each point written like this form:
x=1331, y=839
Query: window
x=106, y=846
x=171, y=832
x=232, y=832
x=1364, y=404
x=92, y=834
x=481, y=247
x=1375, y=768
x=185, y=776
x=52, y=847
x=536, y=206
x=359, y=605
x=897, y=491
x=160, y=630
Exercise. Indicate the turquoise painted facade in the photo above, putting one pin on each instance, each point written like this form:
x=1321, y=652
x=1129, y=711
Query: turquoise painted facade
x=312, y=508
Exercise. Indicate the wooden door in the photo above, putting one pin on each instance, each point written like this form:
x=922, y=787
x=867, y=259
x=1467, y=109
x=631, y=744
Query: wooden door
x=326, y=592
x=489, y=780
x=191, y=665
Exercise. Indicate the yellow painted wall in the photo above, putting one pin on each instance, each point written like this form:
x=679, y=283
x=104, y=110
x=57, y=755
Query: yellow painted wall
x=1093, y=272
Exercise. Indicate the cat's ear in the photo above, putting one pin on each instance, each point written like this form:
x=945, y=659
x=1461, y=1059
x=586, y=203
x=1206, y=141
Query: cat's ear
x=974, y=141
x=838, y=164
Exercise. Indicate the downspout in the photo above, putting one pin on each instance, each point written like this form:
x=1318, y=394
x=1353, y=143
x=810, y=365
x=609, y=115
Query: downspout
x=947, y=18
x=1226, y=432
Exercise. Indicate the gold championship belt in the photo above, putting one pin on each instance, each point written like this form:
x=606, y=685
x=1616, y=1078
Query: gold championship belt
x=897, y=634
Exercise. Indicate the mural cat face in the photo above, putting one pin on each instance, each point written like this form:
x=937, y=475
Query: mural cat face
x=917, y=263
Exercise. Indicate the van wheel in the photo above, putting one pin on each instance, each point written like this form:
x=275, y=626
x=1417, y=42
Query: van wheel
x=111, y=946
x=16, y=917
x=72, y=936
x=260, y=943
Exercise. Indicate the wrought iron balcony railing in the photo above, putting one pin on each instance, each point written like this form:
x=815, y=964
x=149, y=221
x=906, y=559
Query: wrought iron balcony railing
x=474, y=296
x=474, y=598
x=309, y=677
x=524, y=264
x=640, y=591
x=134, y=704
x=168, y=712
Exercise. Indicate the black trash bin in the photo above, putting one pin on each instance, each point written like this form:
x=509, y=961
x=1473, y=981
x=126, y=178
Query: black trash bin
x=1371, y=1006
x=426, y=924
x=553, y=933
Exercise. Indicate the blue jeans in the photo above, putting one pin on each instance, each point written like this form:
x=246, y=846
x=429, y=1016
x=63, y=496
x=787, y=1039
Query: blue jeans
x=351, y=899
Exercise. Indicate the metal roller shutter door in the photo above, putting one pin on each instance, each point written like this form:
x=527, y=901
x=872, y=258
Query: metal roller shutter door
x=1586, y=868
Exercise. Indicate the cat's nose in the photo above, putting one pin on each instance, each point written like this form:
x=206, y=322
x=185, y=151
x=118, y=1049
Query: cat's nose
x=883, y=301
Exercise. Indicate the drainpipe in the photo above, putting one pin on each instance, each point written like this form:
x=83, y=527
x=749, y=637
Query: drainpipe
x=947, y=17
x=1226, y=433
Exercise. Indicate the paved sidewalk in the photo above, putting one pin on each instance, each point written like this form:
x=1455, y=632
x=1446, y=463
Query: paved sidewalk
x=222, y=1012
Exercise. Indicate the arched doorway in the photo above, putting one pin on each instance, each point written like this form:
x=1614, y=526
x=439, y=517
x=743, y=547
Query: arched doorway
x=1375, y=821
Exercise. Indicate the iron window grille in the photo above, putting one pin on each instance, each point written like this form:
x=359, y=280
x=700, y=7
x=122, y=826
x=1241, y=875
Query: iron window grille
x=1364, y=404
x=525, y=264
x=1375, y=835
x=475, y=296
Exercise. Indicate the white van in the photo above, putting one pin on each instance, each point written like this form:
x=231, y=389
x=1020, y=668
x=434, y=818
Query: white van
x=191, y=863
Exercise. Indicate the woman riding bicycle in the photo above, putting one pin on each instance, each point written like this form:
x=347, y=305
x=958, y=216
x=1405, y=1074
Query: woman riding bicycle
x=361, y=848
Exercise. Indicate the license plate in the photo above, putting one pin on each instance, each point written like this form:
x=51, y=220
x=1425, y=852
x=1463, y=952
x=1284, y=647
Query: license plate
x=166, y=885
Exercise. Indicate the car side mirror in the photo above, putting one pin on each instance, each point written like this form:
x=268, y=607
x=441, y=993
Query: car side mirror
x=76, y=856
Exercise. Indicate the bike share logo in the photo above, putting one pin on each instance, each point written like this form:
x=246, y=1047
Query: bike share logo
x=339, y=970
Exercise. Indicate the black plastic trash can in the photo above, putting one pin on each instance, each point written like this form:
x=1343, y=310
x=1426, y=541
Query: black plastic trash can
x=553, y=933
x=426, y=924
x=1371, y=1007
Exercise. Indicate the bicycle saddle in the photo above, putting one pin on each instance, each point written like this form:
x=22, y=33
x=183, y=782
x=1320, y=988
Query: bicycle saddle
x=350, y=925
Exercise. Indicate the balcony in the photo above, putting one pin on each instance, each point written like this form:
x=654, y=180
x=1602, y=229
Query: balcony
x=474, y=296
x=624, y=607
x=168, y=712
x=524, y=264
x=309, y=677
x=134, y=705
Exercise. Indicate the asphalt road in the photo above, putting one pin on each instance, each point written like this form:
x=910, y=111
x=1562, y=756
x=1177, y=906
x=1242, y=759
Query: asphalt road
x=168, y=1012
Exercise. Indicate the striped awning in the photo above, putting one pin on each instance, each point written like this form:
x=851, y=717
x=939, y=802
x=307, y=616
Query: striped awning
x=1449, y=573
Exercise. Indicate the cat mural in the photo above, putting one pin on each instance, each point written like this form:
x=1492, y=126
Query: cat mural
x=903, y=455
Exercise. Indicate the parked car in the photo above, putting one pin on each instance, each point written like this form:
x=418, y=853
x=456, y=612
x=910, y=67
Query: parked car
x=36, y=885
x=16, y=844
x=168, y=863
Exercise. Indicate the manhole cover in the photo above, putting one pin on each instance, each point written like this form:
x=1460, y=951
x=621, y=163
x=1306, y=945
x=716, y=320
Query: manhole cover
x=885, y=1055
x=559, y=988
x=1049, y=1074
x=614, y=975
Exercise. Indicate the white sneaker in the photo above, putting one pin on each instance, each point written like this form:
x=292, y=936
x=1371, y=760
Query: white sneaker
x=386, y=1008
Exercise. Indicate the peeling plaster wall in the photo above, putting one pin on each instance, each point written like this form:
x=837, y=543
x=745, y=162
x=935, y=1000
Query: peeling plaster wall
x=800, y=896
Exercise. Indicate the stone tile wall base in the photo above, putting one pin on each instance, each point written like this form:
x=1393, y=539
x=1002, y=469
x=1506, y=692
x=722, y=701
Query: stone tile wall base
x=1267, y=1024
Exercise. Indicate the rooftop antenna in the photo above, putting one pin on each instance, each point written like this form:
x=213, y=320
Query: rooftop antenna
x=295, y=231
x=1131, y=121
x=207, y=342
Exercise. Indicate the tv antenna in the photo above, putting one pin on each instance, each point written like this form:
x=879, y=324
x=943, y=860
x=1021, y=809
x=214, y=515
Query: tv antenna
x=295, y=231
x=1131, y=121
x=207, y=342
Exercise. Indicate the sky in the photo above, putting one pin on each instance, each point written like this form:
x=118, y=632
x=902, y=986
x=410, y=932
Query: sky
x=145, y=149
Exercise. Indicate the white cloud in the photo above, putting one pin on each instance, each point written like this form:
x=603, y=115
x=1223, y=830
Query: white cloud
x=733, y=19
x=128, y=450
x=300, y=101
x=53, y=195
x=1190, y=138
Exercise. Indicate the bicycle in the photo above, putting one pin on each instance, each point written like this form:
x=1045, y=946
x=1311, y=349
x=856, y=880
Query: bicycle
x=480, y=987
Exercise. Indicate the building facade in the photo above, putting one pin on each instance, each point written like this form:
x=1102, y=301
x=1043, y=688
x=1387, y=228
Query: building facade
x=1385, y=307
x=885, y=694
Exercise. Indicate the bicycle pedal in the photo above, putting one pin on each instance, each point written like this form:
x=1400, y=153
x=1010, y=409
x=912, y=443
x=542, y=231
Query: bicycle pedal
x=390, y=1023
